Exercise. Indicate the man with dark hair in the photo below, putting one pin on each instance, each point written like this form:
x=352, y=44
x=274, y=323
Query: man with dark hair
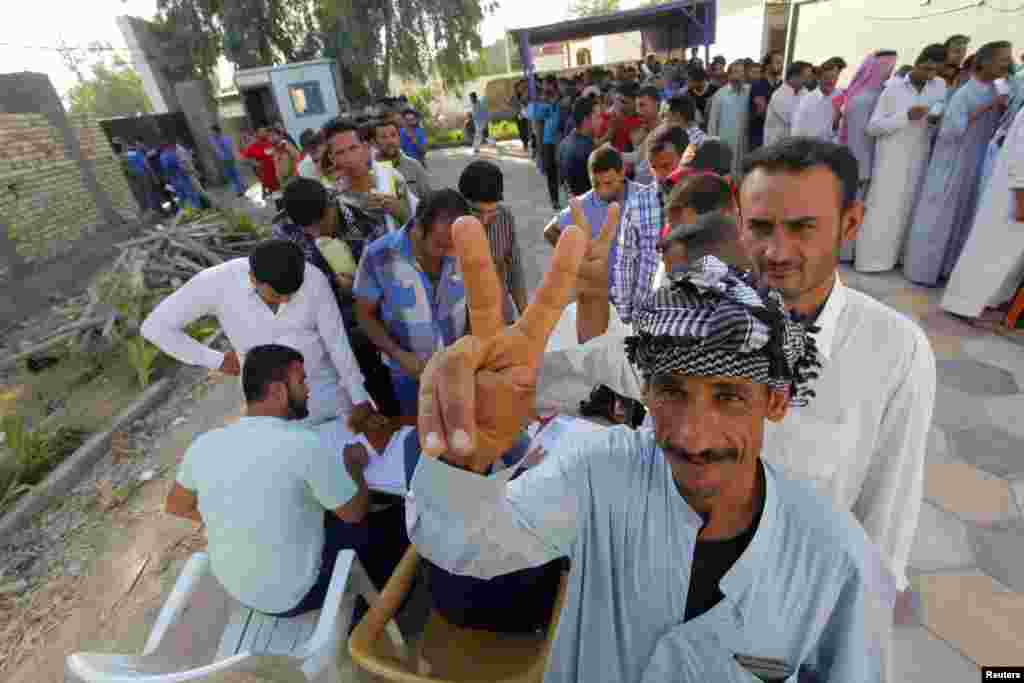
x=711, y=234
x=701, y=91
x=784, y=103
x=815, y=114
x=903, y=125
x=624, y=118
x=414, y=138
x=312, y=220
x=313, y=148
x=271, y=296
x=682, y=112
x=945, y=211
x=372, y=188
x=483, y=186
x=665, y=147
x=956, y=50
x=225, y=151
x=637, y=241
x=387, y=142
x=662, y=526
x=865, y=441
x=410, y=296
x=278, y=506
x=574, y=151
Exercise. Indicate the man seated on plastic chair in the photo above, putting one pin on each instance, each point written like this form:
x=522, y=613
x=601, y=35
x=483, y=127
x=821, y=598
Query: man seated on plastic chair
x=277, y=504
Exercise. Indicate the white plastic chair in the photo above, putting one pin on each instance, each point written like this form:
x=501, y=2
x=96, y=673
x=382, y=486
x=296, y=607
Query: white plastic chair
x=251, y=641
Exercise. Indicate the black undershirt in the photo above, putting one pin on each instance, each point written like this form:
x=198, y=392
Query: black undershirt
x=711, y=560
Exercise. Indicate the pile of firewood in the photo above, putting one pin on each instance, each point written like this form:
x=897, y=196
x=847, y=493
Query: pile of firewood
x=161, y=259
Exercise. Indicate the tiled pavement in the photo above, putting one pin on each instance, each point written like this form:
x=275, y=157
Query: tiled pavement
x=966, y=605
x=965, y=608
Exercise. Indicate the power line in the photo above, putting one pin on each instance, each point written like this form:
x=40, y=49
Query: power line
x=84, y=48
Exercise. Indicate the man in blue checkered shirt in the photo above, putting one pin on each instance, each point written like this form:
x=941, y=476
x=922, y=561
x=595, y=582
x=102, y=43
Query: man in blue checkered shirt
x=642, y=220
x=410, y=298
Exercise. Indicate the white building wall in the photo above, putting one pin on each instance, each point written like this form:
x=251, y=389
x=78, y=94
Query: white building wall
x=740, y=29
x=853, y=28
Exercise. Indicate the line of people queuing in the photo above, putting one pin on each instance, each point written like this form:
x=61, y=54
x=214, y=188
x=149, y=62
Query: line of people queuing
x=163, y=178
x=758, y=494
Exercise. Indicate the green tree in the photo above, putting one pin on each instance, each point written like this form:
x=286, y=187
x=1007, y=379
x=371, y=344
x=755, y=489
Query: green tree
x=493, y=59
x=114, y=90
x=593, y=8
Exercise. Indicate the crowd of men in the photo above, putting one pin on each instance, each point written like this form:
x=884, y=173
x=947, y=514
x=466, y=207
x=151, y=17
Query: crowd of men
x=928, y=132
x=755, y=510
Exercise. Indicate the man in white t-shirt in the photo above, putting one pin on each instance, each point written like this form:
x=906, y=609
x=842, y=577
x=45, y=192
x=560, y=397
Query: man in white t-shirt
x=277, y=504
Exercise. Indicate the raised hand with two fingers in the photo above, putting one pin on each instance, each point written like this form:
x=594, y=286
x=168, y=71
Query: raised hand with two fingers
x=478, y=394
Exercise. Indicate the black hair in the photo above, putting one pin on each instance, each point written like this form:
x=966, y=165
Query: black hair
x=446, y=203
x=603, y=159
x=798, y=154
x=582, y=108
x=667, y=136
x=684, y=106
x=215, y=128
x=482, y=181
x=796, y=68
x=703, y=193
x=839, y=62
x=697, y=74
x=716, y=234
x=719, y=59
x=337, y=126
x=987, y=52
x=714, y=156
x=956, y=38
x=932, y=53
x=309, y=139
x=265, y=365
x=472, y=96
x=279, y=264
x=649, y=91
x=886, y=53
x=305, y=201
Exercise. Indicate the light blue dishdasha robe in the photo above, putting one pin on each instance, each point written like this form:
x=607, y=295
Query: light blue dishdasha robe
x=810, y=589
x=945, y=209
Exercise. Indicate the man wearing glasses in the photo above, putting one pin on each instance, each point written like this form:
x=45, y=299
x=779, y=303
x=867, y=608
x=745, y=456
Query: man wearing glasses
x=482, y=183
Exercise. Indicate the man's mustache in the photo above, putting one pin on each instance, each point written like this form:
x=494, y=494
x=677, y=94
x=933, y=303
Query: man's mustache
x=708, y=456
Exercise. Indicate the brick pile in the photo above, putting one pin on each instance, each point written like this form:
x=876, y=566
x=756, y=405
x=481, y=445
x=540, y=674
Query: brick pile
x=44, y=202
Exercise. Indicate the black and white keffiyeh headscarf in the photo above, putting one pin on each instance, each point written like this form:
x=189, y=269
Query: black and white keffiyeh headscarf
x=714, y=321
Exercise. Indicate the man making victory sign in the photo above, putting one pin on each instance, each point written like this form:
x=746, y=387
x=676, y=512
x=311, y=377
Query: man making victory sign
x=692, y=560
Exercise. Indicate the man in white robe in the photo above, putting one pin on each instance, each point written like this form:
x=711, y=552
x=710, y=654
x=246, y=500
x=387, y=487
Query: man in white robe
x=778, y=122
x=990, y=268
x=903, y=129
x=816, y=114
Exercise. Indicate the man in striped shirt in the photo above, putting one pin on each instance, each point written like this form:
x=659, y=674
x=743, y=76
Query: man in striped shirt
x=482, y=184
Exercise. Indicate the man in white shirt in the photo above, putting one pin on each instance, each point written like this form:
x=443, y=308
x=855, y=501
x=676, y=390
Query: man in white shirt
x=815, y=115
x=862, y=439
x=272, y=297
x=277, y=504
x=783, y=104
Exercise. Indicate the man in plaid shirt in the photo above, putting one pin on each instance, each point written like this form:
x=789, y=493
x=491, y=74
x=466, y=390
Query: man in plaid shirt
x=637, y=241
x=410, y=298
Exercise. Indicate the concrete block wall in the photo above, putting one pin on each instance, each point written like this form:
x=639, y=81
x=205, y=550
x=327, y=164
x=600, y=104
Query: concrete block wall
x=45, y=202
x=108, y=167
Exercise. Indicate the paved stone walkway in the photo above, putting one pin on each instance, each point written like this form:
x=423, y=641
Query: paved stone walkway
x=966, y=606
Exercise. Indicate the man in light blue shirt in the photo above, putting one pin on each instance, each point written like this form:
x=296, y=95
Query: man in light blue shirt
x=608, y=177
x=692, y=560
x=277, y=504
